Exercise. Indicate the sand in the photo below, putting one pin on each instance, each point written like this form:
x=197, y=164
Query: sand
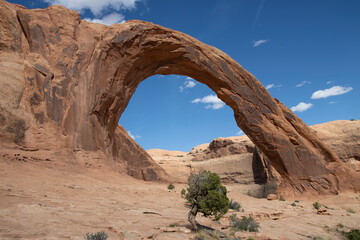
x=46, y=196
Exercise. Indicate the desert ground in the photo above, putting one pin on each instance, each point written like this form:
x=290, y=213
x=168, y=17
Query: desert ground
x=49, y=195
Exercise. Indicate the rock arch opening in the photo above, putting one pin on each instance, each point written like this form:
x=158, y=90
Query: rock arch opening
x=176, y=113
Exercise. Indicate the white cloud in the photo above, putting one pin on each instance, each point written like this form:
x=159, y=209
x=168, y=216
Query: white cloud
x=269, y=86
x=329, y=82
x=240, y=133
x=259, y=42
x=302, y=83
x=333, y=91
x=272, y=85
x=97, y=7
x=212, y=101
x=190, y=84
x=108, y=19
x=301, y=107
x=332, y=102
x=133, y=136
x=187, y=84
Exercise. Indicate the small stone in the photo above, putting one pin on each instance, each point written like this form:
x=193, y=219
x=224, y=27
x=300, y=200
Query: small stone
x=272, y=196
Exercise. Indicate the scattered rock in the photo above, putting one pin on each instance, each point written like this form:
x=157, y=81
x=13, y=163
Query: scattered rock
x=272, y=197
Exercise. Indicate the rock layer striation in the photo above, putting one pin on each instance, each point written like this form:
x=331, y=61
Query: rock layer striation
x=76, y=78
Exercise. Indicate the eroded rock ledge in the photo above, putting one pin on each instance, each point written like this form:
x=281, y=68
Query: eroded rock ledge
x=76, y=78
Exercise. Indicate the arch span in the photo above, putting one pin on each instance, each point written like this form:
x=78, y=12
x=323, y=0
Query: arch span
x=144, y=49
x=86, y=74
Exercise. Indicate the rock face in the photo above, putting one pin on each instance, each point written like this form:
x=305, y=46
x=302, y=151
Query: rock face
x=76, y=78
x=342, y=136
x=221, y=147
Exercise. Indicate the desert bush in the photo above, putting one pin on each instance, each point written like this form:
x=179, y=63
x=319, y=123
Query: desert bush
x=244, y=224
x=206, y=194
x=171, y=186
x=281, y=198
x=340, y=225
x=317, y=205
x=249, y=193
x=350, y=210
x=96, y=236
x=183, y=193
x=234, y=205
x=354, y=234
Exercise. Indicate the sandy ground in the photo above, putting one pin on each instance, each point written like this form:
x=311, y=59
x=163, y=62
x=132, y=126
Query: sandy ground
x=44, y=195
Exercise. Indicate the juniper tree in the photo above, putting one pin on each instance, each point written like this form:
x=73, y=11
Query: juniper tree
x=206, y=195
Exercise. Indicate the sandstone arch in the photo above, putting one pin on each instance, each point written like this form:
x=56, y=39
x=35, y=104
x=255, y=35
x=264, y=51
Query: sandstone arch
x=80, y=76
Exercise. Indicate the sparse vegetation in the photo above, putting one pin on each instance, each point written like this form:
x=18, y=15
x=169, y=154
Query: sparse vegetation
x=183, y=193
x=171, y=187
x=317, y=238
x=317, y=205
x=244, y=224
x=350, y=210
x=206, y=194
x=179, y=155
x=249, y=193
x=96, y=236
x=340, y=225
x=354, y=234
x=281, y=198
x=201, y=235
x=234, y=205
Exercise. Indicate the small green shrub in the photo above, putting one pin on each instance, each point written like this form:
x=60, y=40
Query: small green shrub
x=96, y=236
x=317, y=205
x=172, y=225
x=350, y=210
x=281, y=198
x=340, y=225
x=171, y=187
x=244, y=224
x=234, y=205
x=354, y=234
x=318, y=238
x=249, y=193
x=183, y=193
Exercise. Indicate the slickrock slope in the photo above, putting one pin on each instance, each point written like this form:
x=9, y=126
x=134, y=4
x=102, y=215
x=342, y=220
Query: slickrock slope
x=342, y=136
x=66, y=82
x=236, y=160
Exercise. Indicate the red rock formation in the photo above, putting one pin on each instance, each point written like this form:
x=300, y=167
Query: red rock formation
x=78, y=78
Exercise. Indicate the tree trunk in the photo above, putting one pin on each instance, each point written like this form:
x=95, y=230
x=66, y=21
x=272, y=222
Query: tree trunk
x=192, y=215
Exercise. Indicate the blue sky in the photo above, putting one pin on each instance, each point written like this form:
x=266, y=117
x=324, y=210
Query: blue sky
x=307, y=53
